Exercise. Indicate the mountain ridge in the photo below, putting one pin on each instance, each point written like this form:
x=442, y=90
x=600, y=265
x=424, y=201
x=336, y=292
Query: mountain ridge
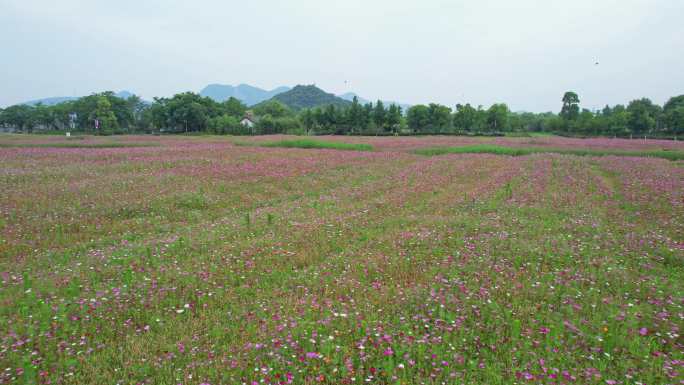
x=249, y=95
x=51, y=101
x=246, y=93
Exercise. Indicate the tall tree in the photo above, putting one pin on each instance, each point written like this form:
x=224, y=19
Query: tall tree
x=570, y=109
x=497, y=117
x=673, y=115
x=643, y=116
x=465, y=117
x=379, y=115
x=440, y=117
x=103, y=118
x=272, y=107
x=234, y=107
x=394, y=118
x=418, y=118
x=355, y=116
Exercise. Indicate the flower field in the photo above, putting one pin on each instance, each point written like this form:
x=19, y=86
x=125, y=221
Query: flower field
x=195, y=260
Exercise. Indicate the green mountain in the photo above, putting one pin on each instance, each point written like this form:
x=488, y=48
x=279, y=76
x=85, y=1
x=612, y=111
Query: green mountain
x=310, y=96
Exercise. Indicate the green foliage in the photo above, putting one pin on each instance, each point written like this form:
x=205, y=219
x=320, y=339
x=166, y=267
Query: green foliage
x=570, y=109
x=234, y=107
x=418, y=118
x=497, y=117
x=643, y=115
x=105, y=116
x=310, y=143
x=673, y=112
x=519, y=151
x=267, y=125
x=274, y=108
x=467, y=118
x=307, y=110
x=227, y=124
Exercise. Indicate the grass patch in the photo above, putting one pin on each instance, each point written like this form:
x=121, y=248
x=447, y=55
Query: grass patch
x=519, y=151
x=310, y=143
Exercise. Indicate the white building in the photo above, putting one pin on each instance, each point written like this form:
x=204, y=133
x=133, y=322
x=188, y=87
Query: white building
x=247, y=122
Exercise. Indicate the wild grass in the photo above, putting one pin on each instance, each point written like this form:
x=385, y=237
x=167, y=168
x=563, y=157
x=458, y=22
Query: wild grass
x=520, y=151
x=316, y=144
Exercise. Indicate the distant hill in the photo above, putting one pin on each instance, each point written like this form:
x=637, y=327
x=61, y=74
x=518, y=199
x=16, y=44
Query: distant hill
x=51, y=101
x=244, y=92
x=61, y=99
x=310, y=96
x=350, y=96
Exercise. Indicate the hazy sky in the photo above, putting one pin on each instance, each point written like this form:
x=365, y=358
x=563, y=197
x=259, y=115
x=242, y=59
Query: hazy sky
x=525, y=53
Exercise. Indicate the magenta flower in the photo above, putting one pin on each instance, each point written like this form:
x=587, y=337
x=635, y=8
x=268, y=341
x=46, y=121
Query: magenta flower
x=312, y=355
x=388, y=352
x=643, y=331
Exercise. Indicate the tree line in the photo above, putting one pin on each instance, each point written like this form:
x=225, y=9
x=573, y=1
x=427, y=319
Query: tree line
x=190, y=112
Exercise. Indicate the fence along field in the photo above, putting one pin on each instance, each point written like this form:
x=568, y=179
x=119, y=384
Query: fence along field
x=198, y=261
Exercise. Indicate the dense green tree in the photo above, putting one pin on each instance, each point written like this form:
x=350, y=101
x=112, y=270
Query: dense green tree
x=418, y=118
x=379, y=116
x=643, y=116
x=187, y=112
x=273, y=108
x=497, y=117
x=439, y=117
x=136, y=106
x=673, y=115
x=18, y=116
x=192, y=112
x=331, y=117
x=228, y=124
x=465, y=118
x=355, y=116
x=366, y=116
x=103, y=114
x=308, y=120
x=393, y=120
x=267, y=125
x=233, y=107
x=570, y=109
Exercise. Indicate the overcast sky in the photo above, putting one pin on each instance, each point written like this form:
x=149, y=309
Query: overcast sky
x=525, y=53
